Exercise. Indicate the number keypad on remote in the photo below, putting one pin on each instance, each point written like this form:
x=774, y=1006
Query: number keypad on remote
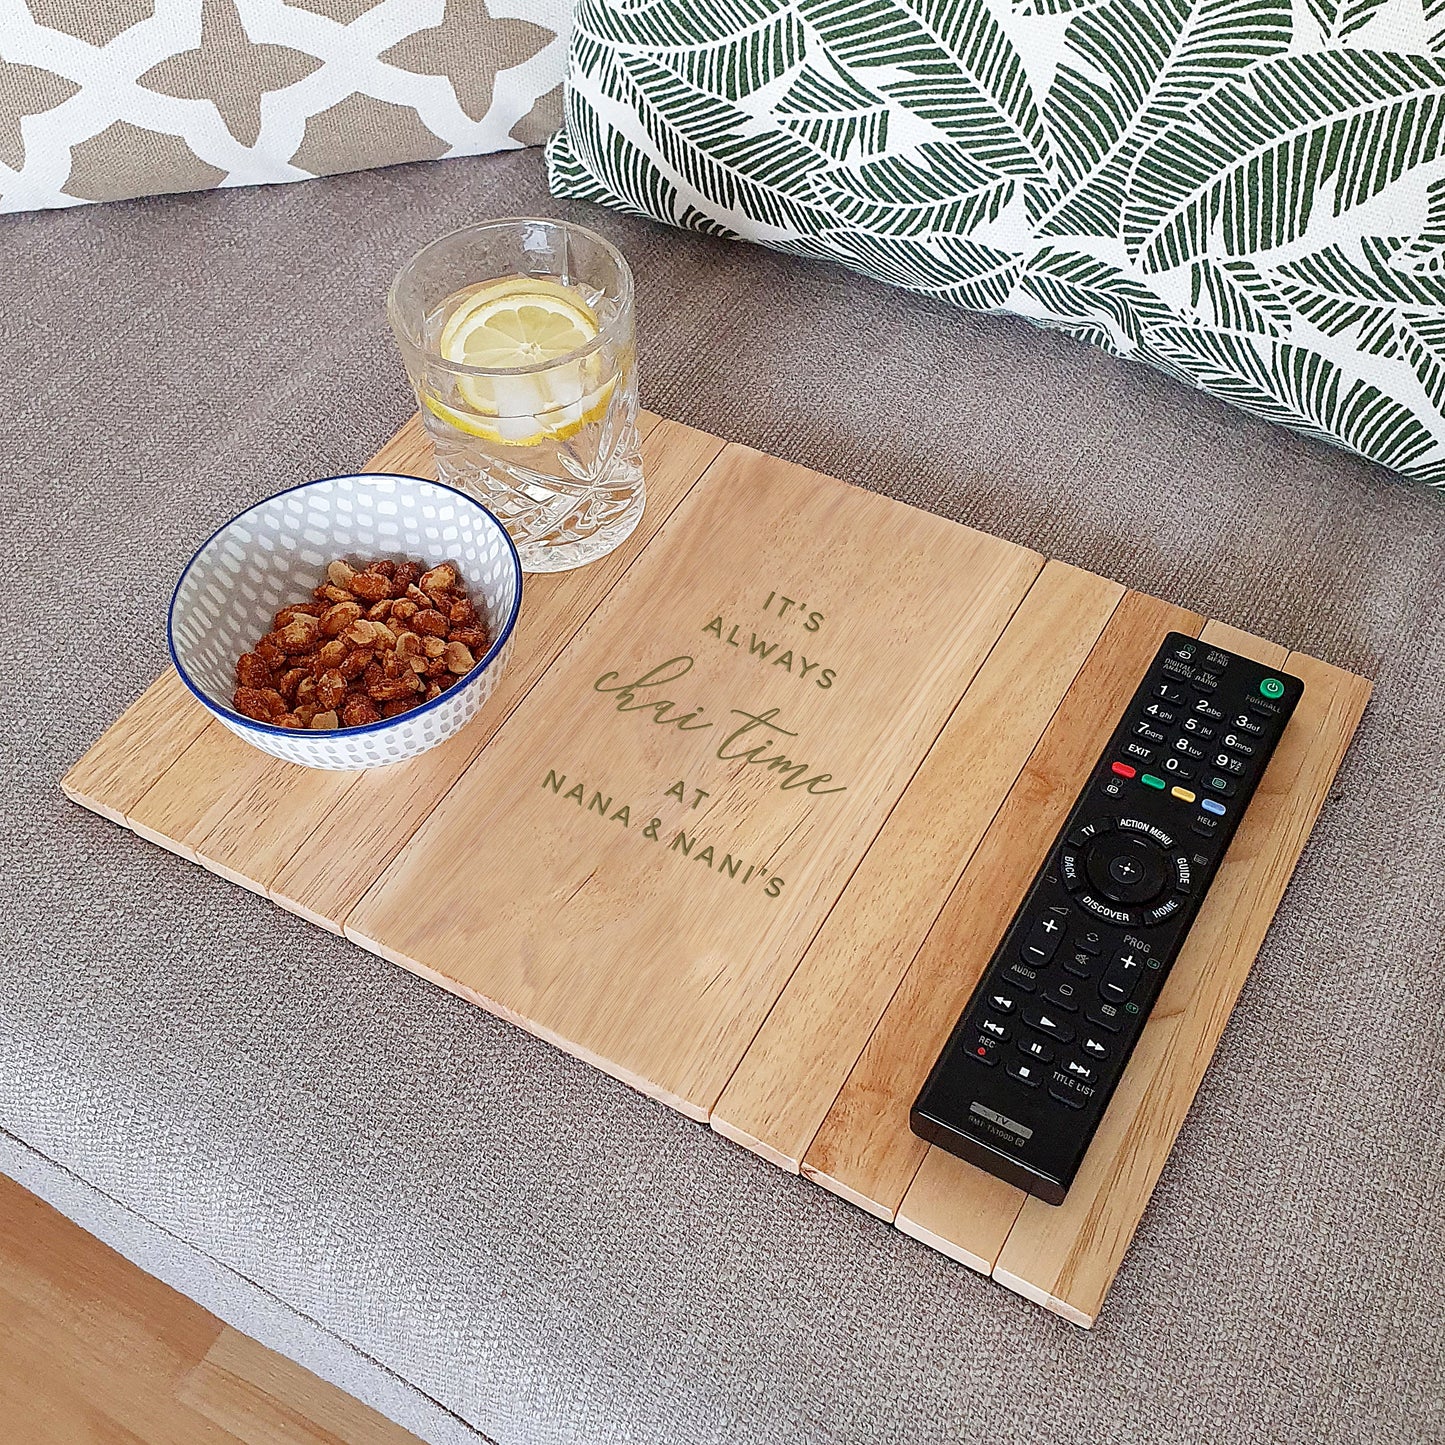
x=1065, y=996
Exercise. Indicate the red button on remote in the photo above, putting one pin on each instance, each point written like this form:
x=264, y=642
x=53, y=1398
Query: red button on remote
x=1124, y=770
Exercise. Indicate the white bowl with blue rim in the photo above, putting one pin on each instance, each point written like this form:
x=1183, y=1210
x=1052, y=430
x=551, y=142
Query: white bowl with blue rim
x=275, y=552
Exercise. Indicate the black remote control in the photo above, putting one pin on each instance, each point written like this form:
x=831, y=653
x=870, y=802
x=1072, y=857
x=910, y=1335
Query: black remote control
x=1025, y=1079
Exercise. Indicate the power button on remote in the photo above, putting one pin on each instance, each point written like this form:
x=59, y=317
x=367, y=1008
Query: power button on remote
x=1271, y=687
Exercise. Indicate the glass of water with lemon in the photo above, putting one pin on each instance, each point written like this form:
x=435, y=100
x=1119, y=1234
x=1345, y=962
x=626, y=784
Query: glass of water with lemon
x=518, y=337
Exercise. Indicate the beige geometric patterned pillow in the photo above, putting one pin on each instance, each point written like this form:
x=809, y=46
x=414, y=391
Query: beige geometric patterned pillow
x=101, y=100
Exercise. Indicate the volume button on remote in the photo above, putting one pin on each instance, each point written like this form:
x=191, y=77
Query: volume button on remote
x=1044, y=937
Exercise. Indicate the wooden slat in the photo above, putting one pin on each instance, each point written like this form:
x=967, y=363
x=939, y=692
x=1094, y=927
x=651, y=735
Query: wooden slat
x=232, y=808
x=347, y=848
x=777, y=1099
x=959, y=1210
x=865, y=1150
x=623, y=950
x=1066, y=1257
x=184, y=799
x=137, y=748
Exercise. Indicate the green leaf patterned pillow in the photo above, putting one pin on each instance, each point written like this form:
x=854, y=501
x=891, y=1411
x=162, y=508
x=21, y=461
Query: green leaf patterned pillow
x=1248, y=194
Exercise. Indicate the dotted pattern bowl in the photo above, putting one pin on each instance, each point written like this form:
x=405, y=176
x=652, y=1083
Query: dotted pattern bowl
x=277, y=551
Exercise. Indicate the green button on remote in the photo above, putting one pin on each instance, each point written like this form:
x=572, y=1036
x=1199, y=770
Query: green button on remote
x=1272, y=687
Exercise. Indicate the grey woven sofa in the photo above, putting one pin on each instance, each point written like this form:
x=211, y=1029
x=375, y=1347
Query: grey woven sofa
x=488, y=1240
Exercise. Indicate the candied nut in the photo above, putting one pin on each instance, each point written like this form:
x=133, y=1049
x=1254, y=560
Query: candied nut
x=387, y=689
x=435, y=667
x=462, y=613
x=290, y=681
x=403, y=610
x=371, y=586
x=393, y=666
x=459, y=658
x=383, y=635
x=360, y=633
x=332, y=653
x=330, y=689
x=433, y=689
x=356, y=662
x=433, y=646
x=252, y=670
x=415, y=594
x=301, y=634
x=383, y=565
x=406, y=574
x=289, y=720
x=340, y=573
x=440, y=579
x=325, y=721
x=409, y=650
x=380, y=610
x=431, y=621
x=254, y=702
x=339, y=616
x=358, y=712
x=476, y=638
x=306, y=693
x=398, y=705
x=270, y=651
x=337, y=594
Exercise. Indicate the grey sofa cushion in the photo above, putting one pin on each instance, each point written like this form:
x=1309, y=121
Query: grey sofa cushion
x=546, y=1255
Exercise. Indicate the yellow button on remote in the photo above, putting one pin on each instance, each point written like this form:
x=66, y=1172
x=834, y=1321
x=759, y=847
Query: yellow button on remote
x=1183, y=794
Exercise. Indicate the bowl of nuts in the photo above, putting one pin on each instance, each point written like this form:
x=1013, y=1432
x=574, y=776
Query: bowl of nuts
x=349, y=622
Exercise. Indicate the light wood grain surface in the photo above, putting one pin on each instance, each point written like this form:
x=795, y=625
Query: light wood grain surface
x=94, y=1351
x=132, y=754
x=782, y=1089
x=683, y=961
x=784, y=962
x=865, y=1150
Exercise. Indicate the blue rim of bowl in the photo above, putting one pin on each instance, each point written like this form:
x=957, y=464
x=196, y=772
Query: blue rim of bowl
x=250, y=724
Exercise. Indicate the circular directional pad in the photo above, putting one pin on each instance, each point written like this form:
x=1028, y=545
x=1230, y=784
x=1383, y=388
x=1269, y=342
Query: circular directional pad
x=1127, y=867
x=1125, y=871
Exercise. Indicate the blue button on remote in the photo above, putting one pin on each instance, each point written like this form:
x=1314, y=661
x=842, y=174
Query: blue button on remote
x=1210, y=806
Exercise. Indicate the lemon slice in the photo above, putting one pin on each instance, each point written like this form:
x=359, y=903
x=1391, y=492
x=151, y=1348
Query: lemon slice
x=454, y=329
x=517, y=322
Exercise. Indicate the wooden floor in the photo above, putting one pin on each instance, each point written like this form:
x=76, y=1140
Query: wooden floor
x=93, y=1351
